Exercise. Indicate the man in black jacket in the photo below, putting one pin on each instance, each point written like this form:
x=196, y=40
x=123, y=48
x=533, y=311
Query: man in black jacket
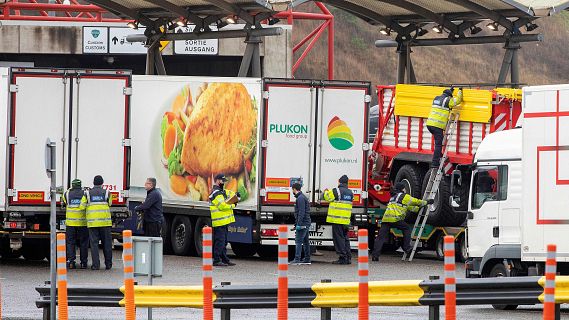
x=302, y=226
x=152, y=207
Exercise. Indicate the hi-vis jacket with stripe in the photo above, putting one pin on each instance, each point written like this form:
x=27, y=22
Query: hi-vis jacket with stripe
x=440, y=110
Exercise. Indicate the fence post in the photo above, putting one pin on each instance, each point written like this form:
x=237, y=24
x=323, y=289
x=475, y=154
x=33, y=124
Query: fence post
x=207, y=269
x=363, y=273
x=225, y=313
x=128, y=269
x=434, y=310
x=326, y=313
x=62, y=313
x=549, y=290
x=450, y=280
x=282, y=295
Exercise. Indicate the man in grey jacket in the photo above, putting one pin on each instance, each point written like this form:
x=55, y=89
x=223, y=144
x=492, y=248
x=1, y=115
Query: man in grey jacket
x=302, y=226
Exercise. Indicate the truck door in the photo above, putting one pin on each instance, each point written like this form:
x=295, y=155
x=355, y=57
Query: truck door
x=288, y=150
x=39, y=107
x=342, y=135
x=483, y=231
x=99, y=144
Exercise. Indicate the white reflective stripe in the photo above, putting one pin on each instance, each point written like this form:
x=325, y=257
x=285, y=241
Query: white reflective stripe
x=551, y=255
x=363, y=266
x=501, y=127
x=129, y=275
x=207, y=274
x=343, y=201
x=364, y=279
x=549, y=298
x=282, y=274
x=207, y=236
x=450, y=288
x=207, y=261
x=362, y=239
x=550, y=269
x=129, y=263
x=283, y=260
x=362, y=252
x=448, y=246
x=283, y=234
x=283, y=247
x=207, y=249
x=61, y=265
x=499, y=117
x=550, y=283
x=60, y=242
x=343, y=209
x=62, y=277
x=449, y=260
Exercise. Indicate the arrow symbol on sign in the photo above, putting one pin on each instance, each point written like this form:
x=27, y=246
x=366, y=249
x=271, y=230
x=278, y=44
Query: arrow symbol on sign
x=115, y=40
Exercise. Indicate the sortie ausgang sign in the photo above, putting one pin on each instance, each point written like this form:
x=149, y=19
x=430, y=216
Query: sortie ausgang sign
x=196, y=47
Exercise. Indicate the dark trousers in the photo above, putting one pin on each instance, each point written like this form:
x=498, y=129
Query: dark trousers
x=72, y=234
x=152, y=229
x=341, y=242
x=384, y=235
x=438, y=135
x=220, y=244
x=102, y=234
x=302, y=242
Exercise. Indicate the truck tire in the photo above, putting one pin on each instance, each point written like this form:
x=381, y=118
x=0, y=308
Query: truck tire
x=35, y=249
x=167, y=235
x=441, y=213
x=198, y=235
x=244, y=250
x=181, y=234
x=267, y=251
x=439, y=246
x=461, y=249
x=412, y=176
x=499, y=270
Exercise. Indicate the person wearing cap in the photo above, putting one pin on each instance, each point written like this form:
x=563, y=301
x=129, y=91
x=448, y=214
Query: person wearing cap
x=99, y=223
x=394, y=217
x=152, y=207
x=339, y=215
x=75, y=203
x=221, y=217
x=438, y=118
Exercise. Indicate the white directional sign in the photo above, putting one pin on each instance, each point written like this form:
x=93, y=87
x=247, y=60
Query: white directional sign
x=196, y=47
x=118, y=43
x=95, y=39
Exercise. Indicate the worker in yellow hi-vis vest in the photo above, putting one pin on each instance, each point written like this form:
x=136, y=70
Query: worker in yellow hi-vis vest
x=339, y=215
x=221, y=216
x=438, y=119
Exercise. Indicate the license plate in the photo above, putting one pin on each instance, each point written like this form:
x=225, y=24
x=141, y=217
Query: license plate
x=62, y=225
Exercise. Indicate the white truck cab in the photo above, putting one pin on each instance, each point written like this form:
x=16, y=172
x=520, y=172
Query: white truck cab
x=516, y=191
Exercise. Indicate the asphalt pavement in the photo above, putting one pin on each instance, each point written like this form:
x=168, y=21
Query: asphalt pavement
x=19, y=278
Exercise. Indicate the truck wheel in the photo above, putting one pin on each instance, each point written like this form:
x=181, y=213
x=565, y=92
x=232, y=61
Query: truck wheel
x=412, y=176
x=166, y=235
x=181, y=235
x=439, y=246
x=267, y=251
x=198, y=235
x=460, y=249
x=441, y=213
x=499, y=270
x=35, y=249
x=244, y=250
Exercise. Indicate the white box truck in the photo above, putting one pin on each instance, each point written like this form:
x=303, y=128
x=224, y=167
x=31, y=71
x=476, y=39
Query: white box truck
x=265, y=135
x=86, y=113
x=517, y=189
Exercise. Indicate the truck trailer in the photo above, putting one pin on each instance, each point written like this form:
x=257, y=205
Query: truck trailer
x=265, y=135
x=402, y=150
x=86, y=113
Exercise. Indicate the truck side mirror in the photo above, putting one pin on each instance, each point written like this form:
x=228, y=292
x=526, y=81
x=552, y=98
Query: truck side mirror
x=456, y=179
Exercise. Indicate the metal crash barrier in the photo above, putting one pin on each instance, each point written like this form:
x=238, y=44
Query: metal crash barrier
x=429, y=293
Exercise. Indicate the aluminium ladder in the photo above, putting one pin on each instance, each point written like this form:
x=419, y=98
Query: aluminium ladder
x=432, y=187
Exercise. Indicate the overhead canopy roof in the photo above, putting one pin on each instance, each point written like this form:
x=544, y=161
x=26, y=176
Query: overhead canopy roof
x=454, y=16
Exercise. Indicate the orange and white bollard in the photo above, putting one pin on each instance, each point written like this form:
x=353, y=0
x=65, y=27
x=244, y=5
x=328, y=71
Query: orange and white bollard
x=128, y=262
x=549, y=290
x=282, y=295
x=363, y=273
x=450, y=280
x=207, y=273
x=62, y=312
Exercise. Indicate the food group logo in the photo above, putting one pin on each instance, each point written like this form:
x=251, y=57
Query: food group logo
x=339, y=134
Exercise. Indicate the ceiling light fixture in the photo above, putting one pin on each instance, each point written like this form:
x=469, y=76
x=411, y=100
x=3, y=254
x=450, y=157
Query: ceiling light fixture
x=132, y=25
x=438, y=28
x=475, y=30
x=492, y=26
x=231, y=19
x=421, y=32
x=385, y=31
x=530, y=26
